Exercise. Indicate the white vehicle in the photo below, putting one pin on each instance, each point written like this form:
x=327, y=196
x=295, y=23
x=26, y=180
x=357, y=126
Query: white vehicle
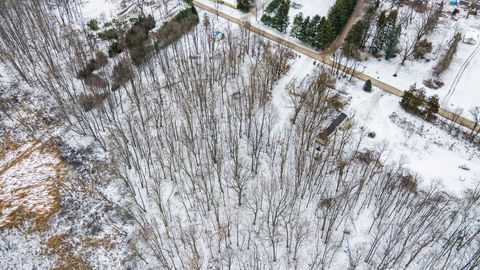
x=464, y=167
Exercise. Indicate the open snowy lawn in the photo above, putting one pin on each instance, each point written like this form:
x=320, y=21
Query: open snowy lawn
x=425, y=149
x=101, y=9
x=311, y=7
x=29, y=176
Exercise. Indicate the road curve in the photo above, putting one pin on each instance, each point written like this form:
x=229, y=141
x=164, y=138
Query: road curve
x=327, y=60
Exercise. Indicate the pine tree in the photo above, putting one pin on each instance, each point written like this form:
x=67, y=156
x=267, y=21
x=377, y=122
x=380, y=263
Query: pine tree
x=281, y=20
x=391, y=34
x=432, y=107
x=266, y=19
x=379, y=38
x=367, y=87
x=413, y=100
x=391, y=42
x=244, y=5
x=337, y=15
x=296, y=31
x=326, y=34
x=305, y=31
x=273, y=6
x=313, y=28
x=356, y=34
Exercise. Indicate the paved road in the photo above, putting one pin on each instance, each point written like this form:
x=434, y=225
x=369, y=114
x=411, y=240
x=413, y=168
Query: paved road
x=325, y=58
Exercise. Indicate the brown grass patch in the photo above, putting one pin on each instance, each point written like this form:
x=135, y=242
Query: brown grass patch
x=57, y=245
x=29, y=178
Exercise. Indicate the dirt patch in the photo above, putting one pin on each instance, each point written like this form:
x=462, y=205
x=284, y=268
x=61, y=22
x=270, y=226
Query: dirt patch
x=59, y=246
x=30, y=174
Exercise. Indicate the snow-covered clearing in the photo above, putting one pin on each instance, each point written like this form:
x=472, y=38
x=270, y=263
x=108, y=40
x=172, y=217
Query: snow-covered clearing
x=310, y=7
x=101, y=10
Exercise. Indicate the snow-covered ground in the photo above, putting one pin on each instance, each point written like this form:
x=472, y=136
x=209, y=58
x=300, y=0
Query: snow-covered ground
x=425, y=149
x=307, y=7
x=311, y=7
x=100, y=10
x=461, y=78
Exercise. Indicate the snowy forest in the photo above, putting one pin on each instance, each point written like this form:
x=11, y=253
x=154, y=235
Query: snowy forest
x=173, y=148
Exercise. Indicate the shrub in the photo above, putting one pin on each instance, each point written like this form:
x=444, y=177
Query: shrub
x=96, y=81
x=447, y=58
x=367, y=87
x=84, y=72
x=88, y=102
x=139, y=54
x=121, y=74
x=93, y=25
x=116, y=48
x=94, y=64
x=423, y=47
x=109, y=34
x=170, y=32
x=433, y=83
x=100, y=61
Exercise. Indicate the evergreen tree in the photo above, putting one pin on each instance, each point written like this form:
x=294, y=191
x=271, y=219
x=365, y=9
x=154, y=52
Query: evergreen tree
x=326, y=34
x=367, y=87
x=266, y=19
x=413, y=99
x=244, y=5
x=379, y=37
x=432, y=107
x=296, y=31
x=391, y=42
x=337, y=16
x=313, y=28
x=273, y=6
x=305, y=31
x=317, y=40
x=391, y=34
x=356, y=34
x=280, y=20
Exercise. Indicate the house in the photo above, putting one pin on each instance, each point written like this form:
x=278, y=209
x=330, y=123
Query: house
x=230, y=3
x=323, y=136
x=471, y=37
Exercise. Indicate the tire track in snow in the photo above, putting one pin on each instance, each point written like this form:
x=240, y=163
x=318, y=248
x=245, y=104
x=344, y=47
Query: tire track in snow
x=456, y=81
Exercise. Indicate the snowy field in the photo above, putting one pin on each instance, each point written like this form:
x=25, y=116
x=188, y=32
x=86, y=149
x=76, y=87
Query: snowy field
x=311, y=7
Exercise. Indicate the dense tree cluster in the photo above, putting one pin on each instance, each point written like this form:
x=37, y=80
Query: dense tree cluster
x=276, y=15
x=415, y=101
x=387, y=34
x=379, y=31
x=245, y=5
x=320, y=32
